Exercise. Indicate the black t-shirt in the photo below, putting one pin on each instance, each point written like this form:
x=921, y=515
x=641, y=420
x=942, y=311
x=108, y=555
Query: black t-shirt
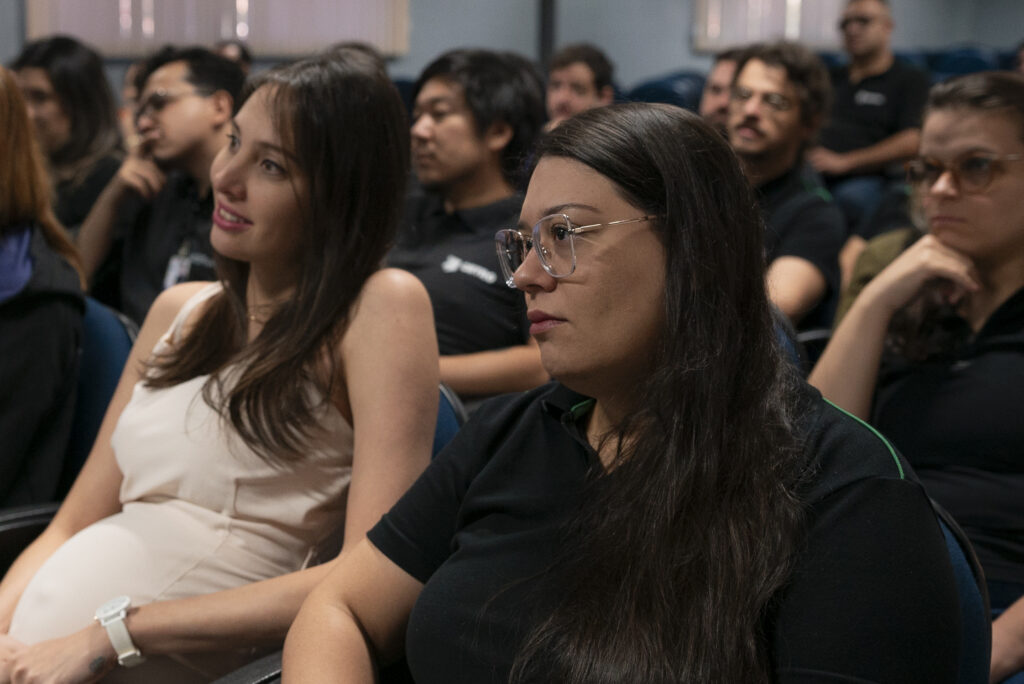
x=877, y=107
x=872, y=595
x=959, y=423
x=802, y=221
x=74, y=200
x=72, y=203
x=455, y=258
x=166, y=241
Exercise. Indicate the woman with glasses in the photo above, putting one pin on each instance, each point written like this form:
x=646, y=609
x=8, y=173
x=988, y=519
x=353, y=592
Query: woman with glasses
x=677, y=506
x=258, y=417
x=932, y=350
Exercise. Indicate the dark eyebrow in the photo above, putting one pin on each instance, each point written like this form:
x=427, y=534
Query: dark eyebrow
x=266, y=145
x=560, y=209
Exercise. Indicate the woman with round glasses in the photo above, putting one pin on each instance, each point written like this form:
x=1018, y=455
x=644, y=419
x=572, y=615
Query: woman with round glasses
x=932, y=350
x=677, y=506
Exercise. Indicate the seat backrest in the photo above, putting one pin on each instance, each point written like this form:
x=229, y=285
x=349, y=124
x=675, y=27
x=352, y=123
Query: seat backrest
x=975, y=620
x=107, y=338
x=451, y=414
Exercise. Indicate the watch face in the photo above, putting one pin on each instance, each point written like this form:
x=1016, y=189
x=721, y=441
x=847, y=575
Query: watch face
x=113, y=607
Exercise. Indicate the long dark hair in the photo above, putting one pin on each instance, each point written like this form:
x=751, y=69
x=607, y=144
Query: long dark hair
x=928, y=326
x=346, y=125
x=25, y=190
x=76, y=73
x=671, y=565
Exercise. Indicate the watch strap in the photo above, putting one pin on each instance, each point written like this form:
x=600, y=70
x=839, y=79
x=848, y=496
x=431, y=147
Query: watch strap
x=127, y=654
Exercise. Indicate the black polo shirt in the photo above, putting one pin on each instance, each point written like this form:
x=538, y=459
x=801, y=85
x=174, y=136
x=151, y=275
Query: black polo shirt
x=166, y=241
x=877, y=107
x=872, y=595
x=958, y=420
x=802, y=221
x=455, y=258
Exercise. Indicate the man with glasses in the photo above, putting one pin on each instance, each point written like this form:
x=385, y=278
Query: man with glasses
x=875, y=121
x=156, y=211
x=779, y=98
x=475, y=117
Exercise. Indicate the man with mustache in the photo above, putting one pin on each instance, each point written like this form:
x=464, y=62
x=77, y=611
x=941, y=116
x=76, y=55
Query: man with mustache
x=475, y=117
x=780, y=95
x=156, y=211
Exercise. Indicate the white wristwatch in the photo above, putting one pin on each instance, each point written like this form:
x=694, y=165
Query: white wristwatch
x=111, y=616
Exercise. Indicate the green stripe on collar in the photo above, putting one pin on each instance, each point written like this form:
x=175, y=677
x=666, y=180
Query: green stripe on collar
x=581, y=409
x=887, y=443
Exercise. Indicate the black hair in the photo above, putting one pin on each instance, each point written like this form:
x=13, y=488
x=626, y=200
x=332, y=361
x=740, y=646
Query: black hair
x=76, y=73
x=244, y=53
x=498, y=88
x=670, y=568
x=588, y=54
x=206, y=70
x=804, y=70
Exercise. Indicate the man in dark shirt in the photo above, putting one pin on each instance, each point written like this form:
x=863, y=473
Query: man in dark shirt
x=779, y=97
x=157, y=208
x=475, y=118
x=875, y=121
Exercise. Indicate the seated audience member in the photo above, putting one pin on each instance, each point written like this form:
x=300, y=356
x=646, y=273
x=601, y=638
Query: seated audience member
x=256, y=416
x=714, y=100
x=237, y=51
x=41, y=308
x=156, y=210
x=579, y=77
x=678, y=506
x=129, y=103
x=1020, y=58
x=72, y=109
x=932, y=351
x=875, y=122
x=475, y=118
x=779, y=98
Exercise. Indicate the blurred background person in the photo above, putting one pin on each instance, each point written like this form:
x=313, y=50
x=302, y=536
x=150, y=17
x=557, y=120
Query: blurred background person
x=73, y=113
x=41, y=306
x=579, y=77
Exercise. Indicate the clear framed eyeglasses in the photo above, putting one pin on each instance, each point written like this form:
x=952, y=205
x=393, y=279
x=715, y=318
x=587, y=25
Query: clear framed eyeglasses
x=555, y=239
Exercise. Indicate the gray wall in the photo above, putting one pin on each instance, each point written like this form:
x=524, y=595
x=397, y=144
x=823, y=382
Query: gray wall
x=644, y=38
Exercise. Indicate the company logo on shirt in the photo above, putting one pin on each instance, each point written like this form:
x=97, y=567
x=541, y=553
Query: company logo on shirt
x=867, y=97
x=453, y=264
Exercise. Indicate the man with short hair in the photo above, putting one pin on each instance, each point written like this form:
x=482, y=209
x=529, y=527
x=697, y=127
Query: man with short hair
x=714, y=99
x=779, y=98
x=475, y=117
x=157, y=209
x=875, y=121
x=579, y=78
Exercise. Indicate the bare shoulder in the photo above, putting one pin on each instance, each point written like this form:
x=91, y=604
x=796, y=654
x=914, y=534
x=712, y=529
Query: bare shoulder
x=169, y=303
x=392, y=304
x=393, y=286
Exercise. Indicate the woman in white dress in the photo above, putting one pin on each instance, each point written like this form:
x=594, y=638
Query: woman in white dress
x=256, y=415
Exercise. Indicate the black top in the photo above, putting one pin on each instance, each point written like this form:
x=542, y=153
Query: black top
x=40, y=331
x=454, y=256
x=166, y=241
x=74, y=199
x=802, y=221
x=72, y=204
x=958, y=420
x=872, y=596
x=877, y=107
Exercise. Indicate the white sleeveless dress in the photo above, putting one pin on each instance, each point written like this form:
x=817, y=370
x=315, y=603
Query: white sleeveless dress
x=200, y=513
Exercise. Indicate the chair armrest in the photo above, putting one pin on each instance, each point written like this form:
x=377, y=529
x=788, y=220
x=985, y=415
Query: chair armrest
x=19, y=526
